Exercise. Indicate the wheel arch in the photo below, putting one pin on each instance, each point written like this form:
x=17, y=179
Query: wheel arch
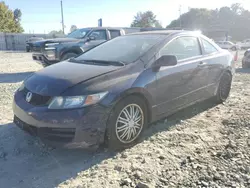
x=75, y=50
x=139, y=92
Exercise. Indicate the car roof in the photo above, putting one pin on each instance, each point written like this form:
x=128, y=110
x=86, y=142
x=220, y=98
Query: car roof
x=104, y=28
x=163, y=32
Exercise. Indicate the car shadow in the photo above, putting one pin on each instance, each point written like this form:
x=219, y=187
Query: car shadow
x=26, y=162
x=36, y=164
x=13, y=77
x=241, y=70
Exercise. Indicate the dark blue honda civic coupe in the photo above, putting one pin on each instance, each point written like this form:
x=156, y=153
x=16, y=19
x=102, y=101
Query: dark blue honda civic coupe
x=110, y=93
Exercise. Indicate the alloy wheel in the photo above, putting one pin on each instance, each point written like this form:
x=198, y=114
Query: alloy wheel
x=129, y=123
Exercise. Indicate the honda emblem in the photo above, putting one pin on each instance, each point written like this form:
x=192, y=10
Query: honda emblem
x=28, y=96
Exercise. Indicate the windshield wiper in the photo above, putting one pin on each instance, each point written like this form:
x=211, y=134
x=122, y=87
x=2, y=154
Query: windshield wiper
x=94, y=61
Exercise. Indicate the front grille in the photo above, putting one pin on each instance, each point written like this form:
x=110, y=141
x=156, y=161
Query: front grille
x=52, y=134
x=36, y=48
x=36, y=99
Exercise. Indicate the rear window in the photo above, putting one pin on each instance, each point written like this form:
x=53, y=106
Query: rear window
x=208, y=47
x=114, y=33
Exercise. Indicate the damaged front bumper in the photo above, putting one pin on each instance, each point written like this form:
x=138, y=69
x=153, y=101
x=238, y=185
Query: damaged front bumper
x=44, y=61
x=75, y=128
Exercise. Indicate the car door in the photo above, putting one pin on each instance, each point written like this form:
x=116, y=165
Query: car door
x=225, y=45
x=180, y=85
x=99, y=36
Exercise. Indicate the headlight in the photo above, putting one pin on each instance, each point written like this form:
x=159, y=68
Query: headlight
x=21, y=87
x=51, y=46
x=75, y=101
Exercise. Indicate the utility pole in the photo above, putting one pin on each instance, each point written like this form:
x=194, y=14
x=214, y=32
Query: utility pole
x=180, y=16
x=62, y=16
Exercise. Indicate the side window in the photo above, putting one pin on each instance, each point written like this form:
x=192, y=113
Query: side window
x=208, y=47
x=99, y=34
x=182, y=48
x=114, y=33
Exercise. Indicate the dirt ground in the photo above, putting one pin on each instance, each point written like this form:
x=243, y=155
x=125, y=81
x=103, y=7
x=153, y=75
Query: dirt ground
x=202, y=146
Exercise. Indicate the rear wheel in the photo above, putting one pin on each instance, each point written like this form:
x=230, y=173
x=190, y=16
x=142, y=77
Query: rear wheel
x=126, y=123
x=224, y=87
x=68, y=55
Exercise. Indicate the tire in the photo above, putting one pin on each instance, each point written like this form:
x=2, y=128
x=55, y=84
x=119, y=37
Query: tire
x=224, y=87
x=117, y=136
x=68, y=55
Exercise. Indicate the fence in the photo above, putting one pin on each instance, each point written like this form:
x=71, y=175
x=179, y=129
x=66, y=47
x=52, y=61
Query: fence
x=17, y=41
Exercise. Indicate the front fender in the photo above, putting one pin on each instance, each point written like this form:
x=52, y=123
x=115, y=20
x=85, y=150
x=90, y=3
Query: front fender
x=72, y=49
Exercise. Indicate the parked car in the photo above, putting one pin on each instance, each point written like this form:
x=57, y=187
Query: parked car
x=30, y=41
x=52, y=51
x=110, y=93
x=246, y=59
x=245, y=44
x=228, y=45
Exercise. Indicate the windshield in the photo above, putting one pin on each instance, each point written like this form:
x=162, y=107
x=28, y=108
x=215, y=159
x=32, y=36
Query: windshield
x=78, y=34
x=126, y=49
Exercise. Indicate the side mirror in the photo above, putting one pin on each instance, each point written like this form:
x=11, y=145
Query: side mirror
x=91, y=38
x=163, y=61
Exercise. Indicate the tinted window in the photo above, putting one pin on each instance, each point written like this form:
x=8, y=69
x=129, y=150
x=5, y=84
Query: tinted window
x=182, y=48
x=114, y=33
x=99, y=34
x=208, y=47
x=125, y=48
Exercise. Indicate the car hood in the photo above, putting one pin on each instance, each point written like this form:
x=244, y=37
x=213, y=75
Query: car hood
x=55, y=79
x=56, y=40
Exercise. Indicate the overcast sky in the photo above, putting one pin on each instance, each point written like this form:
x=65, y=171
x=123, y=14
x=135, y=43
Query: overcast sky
x=42, y=16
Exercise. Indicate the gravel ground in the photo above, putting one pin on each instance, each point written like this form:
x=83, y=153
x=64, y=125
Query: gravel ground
x=202, y=146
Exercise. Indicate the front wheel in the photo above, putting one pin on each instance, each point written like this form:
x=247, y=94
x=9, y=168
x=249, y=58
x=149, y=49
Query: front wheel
x=126, y=123
x=224, y=87
x=68, y=56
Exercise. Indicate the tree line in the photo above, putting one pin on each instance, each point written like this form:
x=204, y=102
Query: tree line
x=234, y=20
